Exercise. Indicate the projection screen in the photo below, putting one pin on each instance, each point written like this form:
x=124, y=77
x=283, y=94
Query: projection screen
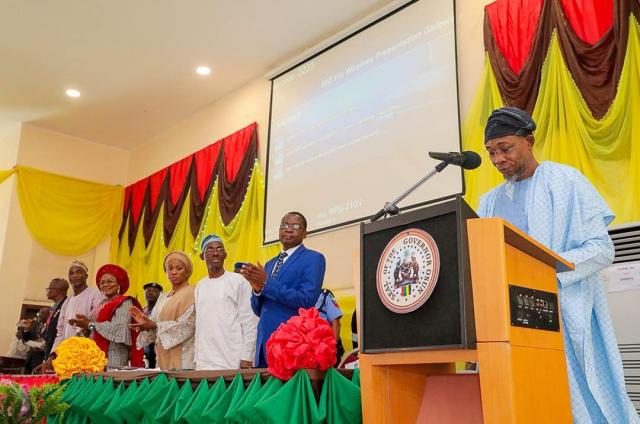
x=351, y=127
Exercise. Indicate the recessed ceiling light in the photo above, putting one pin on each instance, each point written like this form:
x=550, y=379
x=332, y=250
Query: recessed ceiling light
x=203, y=70
x=72, y=92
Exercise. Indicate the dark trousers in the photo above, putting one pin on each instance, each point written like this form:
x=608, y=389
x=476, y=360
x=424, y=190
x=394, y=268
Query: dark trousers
x=150, y=354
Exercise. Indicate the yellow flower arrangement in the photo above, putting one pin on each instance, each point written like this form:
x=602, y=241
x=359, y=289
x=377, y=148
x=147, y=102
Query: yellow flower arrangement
x=78, y=355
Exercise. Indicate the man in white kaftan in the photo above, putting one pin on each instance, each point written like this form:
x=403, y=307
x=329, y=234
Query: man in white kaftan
x=225, y=324
x=83, y=301
x=556, y=205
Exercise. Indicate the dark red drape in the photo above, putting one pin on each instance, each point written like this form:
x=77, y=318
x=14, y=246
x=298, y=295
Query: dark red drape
x=589, y=19
x=594, y=65
x=228, y=162
x=513, y=24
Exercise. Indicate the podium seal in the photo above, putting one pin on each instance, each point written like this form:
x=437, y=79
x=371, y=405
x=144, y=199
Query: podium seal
x=408, y=271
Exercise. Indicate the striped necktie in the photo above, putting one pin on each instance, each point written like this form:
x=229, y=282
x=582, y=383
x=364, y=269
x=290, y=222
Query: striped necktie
x=279, y=263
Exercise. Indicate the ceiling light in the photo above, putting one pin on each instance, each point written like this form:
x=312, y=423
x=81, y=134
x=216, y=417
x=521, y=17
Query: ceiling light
x=203, y=70
x=72, y=92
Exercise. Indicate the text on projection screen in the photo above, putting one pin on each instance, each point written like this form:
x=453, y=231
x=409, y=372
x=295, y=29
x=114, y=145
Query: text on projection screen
x=351, y=128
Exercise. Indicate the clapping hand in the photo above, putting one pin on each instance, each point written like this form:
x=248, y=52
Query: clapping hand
x=137, y=314
x=142, y=322
x=80, y=321
x=255, y=274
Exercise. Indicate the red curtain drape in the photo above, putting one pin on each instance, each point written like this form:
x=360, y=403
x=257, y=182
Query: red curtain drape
x=227, y=162
x=589, y=19
x=513, y=24
x=592, y=35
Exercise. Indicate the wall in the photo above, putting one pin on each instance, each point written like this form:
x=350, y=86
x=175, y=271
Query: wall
x=10, y=142
x=251, y=103
x=235, y=111
x=26, y=266
x=72, y=156
x=11, y=298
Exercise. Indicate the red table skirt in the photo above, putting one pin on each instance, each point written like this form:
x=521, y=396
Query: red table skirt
x=31, y=380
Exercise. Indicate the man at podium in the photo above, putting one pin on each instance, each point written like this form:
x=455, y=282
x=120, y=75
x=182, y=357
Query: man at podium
x=556, y=205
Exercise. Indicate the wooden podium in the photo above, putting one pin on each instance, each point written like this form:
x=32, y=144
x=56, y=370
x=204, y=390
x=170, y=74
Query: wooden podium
x=519, y=347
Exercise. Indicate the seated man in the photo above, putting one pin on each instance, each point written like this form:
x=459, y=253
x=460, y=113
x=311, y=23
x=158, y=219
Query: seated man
x=18, y=347
x=34, y=338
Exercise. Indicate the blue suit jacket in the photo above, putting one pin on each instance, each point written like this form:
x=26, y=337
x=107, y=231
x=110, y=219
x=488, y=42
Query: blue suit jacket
x=297, y=285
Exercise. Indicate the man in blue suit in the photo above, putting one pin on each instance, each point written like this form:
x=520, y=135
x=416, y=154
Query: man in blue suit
x=290, y=281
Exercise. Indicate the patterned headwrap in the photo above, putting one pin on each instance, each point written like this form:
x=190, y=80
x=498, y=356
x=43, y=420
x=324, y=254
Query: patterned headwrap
x=79, y=264
x=120, y=273
x=508, y=121
x=209, y=239
x=182, y=257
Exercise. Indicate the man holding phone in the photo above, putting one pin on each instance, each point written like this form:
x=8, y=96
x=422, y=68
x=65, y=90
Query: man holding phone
x=290, y=281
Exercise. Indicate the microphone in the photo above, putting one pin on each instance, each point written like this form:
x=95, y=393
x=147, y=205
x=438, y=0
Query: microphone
x=466, y=160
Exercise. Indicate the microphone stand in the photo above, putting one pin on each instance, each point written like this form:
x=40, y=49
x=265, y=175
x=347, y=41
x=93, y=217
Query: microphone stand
x=391, y=208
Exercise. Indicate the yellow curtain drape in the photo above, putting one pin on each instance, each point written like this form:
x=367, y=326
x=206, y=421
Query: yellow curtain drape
x=242, y=237
x=6, y=174
x=603, y=150
x=486, y=100
x=68, y=216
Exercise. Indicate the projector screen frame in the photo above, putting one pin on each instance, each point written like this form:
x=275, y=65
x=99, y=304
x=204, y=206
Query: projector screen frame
x=400, y=189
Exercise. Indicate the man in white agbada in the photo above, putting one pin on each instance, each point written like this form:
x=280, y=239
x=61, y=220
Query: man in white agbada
x=556, y=205
x=225, y=323
x=82, y=302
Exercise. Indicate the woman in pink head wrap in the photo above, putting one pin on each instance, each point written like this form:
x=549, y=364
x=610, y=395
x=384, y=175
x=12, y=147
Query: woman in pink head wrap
x=108, y=323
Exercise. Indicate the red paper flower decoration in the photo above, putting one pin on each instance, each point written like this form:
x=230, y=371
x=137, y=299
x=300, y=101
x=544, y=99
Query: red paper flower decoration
x=305, y=341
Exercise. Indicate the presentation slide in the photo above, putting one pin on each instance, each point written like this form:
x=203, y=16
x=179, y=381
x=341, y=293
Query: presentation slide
x=352, y=127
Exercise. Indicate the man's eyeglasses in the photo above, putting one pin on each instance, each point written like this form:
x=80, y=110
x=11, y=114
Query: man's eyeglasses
x=211, y=248
x=501, y=151
x=48, y=289
x=285, y=226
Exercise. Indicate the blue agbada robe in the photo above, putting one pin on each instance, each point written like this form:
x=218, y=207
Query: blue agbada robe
x=562, y=210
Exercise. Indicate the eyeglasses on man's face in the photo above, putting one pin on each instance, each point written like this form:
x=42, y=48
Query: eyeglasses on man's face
x=286, y=226
x=213, y=248
x=501, y=151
